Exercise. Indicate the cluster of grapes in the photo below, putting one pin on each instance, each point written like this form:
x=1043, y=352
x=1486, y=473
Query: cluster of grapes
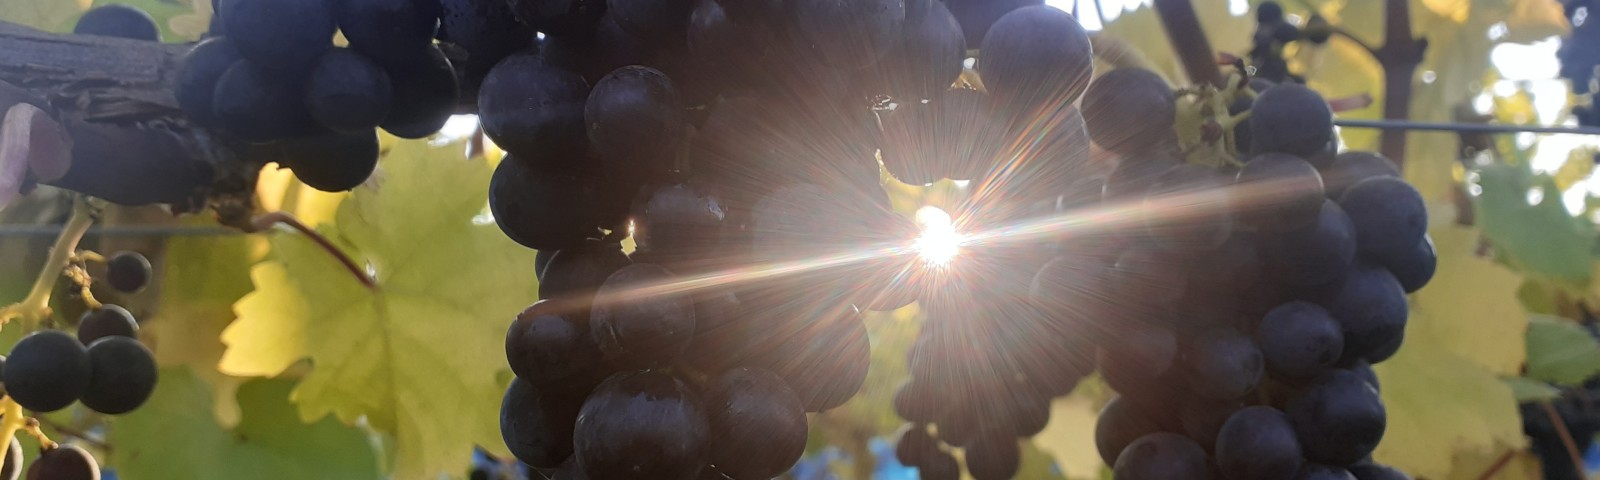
x=1239, y=319
x=1580, y=61
x=750, y=194
x=268, y=74
x=104, y=367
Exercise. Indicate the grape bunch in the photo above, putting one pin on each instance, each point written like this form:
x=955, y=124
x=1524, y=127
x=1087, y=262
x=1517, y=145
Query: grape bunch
x=1238, y=321
x=268, y=74
x=104, y=367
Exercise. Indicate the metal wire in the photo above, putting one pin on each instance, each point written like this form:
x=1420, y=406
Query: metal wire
x=118, y=231
x=1461, y=127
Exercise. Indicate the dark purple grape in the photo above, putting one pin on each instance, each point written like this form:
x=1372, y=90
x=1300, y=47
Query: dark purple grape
x=121, y=21
x=638, y=327
x=1300, y=340
x=1037, y=55
x=642, y=425
x=65, y=462
x=1162, y=456
x=550, y=341
x=47, y=371
x=122, y=375
x=537, y=422
x=1129, y=109
x=534, y=110
x=1258, y=443
x=1339, y=419
x=757, y=423
x=108, y=320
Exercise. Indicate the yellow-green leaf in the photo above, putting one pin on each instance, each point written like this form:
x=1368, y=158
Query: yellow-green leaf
x=418, y=355
x=1523, y=215
x=173, y=436
x=1470, y=308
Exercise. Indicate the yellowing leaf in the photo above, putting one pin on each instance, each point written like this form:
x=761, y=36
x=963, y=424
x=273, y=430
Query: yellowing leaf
x=1470, y=308
x=1069, y=438
x=412, y=355
x=201, y=279
x=1443, y=390
x=173, y=436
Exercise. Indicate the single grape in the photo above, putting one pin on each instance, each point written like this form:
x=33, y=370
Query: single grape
x=650, y=19
x=13, y=467
x=1389, y=215
x=634, y=122
x=127, y=271
x=535, y=111
x=1290, y=118
x=541, y=210
x=1129, y=109
x=994, y=456
x=1188, y=208
x=348, y=93
x=1373, y=471
x=258, y=106
x=486, y=29
x=1300, y=340
x=758, y=427
x=1415, y=267
x=927, y=58
x=197, y=78
x=549, y=341
x=976, y=16
x=914, y=446
x=537, y=422
x=939, y=466
x=1371, y=308
x=1317, y=471
x=388, y=31
x=331, y=163
x=120, y=21
x=1223, y=364
x=108, y=320
x=65, y=462
x=1339, y=419
x=849, y=33
x=47, y=371
x=1354, y=166
x=279, y=35
x=1037, y=55
x=1120, y=423
x=575, y=273
x=642, y=425
x=1163, y=456
x=425, y=94
x=825, y=358
x=595, y=53
x=1278, y=192
x=681, y=225
x=122, y=375
x=636, y=327
x=1319, y=254
x=1258, y=443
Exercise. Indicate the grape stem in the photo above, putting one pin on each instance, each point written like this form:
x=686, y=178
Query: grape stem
x=266, y=221
x=1566, y=437
x=36, y=306
x=70, y=432
x=1499, y=464
x=12, y=421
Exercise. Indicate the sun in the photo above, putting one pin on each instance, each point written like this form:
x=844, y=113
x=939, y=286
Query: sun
x=939, y=243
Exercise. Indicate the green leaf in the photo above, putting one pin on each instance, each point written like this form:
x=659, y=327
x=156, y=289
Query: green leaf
x=1539, y=238
x=418, y=356
x=43, y=14
x=1529, y=390
x=1561, y=352
x=174, y=436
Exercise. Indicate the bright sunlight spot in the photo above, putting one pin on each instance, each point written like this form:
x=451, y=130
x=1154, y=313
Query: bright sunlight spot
x=939, y=243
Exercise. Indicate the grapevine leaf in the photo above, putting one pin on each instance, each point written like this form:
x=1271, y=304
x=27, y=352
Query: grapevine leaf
x=1069, y=438
x=1523, y=215
x=1529, y=390
x=43, y=14
x=418, y=356
x=201, y=278
x=1443, y=388
x=1560, y=351
x=174, y=436
x=1471, y=306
